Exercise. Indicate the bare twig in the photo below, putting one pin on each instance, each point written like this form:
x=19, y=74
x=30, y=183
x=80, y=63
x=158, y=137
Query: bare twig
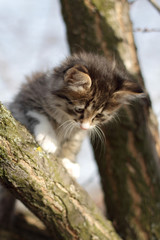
x=146, y=30
x=155, y=4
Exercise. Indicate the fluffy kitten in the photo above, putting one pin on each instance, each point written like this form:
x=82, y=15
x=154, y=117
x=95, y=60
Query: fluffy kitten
x=60, y=106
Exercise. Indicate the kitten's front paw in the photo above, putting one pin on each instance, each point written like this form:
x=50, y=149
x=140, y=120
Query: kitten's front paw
x=72, y=168
x=44, y=133
x=46, y=142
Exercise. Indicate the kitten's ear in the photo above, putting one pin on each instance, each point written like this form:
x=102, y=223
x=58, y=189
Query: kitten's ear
x=128, y=90
x=77, y=78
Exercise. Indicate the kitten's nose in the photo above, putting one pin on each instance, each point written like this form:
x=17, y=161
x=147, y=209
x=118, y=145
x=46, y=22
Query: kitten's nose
x=85, y=125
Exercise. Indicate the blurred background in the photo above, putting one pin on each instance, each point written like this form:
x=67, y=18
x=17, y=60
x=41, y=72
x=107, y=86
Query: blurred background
x=33, y=37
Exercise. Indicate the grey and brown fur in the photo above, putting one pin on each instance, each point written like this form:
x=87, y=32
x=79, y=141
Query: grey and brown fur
x=84, y=92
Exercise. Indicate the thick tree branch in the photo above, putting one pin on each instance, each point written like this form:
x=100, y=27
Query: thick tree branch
x=45, y=187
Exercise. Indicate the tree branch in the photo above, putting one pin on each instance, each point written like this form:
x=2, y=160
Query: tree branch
x=146, y=30
x=155, y=5
x=45, y=187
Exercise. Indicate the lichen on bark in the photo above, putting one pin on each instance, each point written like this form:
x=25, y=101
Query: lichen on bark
x=43, y=185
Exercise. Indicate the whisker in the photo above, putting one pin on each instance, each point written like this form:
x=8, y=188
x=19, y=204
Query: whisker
x=99, y=133
x=92, y=135
x=64, y=128
x=68, y=129
x=71, y=127
x=103, y=138
x=66, y=122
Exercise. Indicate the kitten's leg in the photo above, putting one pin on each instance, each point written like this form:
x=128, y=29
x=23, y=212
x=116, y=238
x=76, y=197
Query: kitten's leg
x=7, y=204
x=43, y=132
x=68, y=153
x=46, y=137
x=72, y=168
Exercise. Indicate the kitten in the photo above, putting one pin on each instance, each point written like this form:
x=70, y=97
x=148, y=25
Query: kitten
x=61, y=105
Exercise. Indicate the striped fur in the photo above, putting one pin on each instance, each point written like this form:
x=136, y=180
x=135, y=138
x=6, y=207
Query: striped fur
x=61, y=105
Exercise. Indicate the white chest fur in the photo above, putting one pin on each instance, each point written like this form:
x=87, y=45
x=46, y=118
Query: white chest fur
x=46, y=137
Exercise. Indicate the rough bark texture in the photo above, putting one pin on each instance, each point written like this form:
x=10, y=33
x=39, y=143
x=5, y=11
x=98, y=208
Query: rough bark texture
x=104, y=27
x=129, y=168
x=44, y=186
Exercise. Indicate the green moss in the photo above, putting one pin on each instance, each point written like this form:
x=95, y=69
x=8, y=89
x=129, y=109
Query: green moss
x=104, y=6
x=29, y=180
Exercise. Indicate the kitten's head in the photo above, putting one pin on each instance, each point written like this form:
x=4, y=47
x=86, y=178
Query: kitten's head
x=90, y=91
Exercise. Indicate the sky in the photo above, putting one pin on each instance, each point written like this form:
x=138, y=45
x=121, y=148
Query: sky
x=33, y=37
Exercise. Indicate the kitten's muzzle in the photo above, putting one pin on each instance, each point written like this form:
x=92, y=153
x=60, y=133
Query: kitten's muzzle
x=85, y=125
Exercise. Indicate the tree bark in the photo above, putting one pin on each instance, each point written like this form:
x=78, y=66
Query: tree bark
x=45, y=187
x=129, y=166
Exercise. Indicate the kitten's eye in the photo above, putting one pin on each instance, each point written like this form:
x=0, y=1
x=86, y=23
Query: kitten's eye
x=70, y=102
x=79, y=110
x=99, y=115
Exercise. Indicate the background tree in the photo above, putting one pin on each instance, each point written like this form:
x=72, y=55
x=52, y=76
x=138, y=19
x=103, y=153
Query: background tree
x=100, y=44
x=129, y=168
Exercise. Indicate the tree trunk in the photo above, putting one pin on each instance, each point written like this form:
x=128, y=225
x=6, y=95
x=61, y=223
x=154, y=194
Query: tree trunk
x=45, y=187
x=129, y=167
